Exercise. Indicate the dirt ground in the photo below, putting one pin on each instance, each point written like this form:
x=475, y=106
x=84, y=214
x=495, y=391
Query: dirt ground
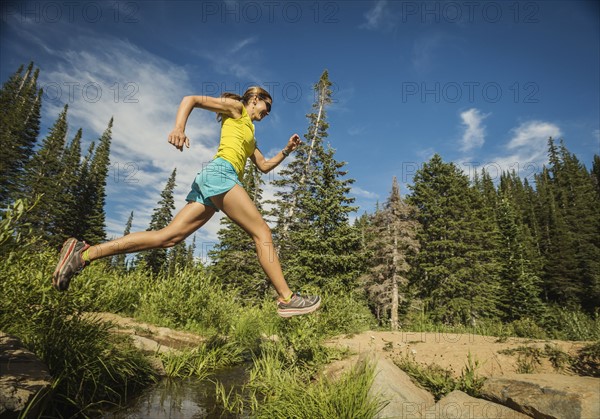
x=450, y=351
x=447, y=350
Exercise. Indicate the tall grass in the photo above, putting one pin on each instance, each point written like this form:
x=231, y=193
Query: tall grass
x=91, y=366
x=278, y=390
x=440, y=381
x=556, y=323
x=203, y=360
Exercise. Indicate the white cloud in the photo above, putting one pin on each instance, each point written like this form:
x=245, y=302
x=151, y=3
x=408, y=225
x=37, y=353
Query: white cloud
x=234, y=60
x=533, y=136
x=359, y=192
x=474, y=135
x=142, y=91
x=526, y=151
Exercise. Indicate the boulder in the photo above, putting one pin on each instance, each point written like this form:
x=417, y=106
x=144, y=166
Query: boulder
x=406, y=400
x=459, y=405
x=390, y=384
x=25, y=381
x=546, y=395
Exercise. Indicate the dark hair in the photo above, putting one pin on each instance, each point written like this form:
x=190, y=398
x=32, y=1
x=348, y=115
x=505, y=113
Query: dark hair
x=245, y=98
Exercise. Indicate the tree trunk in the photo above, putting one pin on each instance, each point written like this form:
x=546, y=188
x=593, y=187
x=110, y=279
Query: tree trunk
x=290, y=213
x=394, y=313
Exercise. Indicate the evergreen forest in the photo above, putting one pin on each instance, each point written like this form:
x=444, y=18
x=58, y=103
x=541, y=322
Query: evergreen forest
x=453, y=249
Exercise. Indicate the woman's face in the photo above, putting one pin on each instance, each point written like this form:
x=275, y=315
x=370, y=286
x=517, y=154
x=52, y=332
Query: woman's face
x=262, y=107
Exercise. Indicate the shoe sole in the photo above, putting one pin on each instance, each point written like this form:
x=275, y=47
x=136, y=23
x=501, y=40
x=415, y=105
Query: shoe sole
x=67, y=251
x=298, y=311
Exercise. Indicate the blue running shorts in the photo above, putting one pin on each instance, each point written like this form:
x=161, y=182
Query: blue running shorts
x=216, y=178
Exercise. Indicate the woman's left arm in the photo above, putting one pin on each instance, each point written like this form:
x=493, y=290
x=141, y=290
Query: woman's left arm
x=265, y=165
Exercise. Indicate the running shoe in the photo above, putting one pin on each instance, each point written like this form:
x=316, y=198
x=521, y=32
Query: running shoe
x=298, y=305
x=69, y=264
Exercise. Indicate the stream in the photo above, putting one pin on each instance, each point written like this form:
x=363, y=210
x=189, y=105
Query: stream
x=182, y=398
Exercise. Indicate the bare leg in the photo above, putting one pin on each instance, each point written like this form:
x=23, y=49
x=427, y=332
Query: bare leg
x=191, y=217
x=238, y=206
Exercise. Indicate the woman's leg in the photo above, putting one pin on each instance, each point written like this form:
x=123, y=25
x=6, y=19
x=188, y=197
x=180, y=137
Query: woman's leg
x=192, y=216
x=238, y=206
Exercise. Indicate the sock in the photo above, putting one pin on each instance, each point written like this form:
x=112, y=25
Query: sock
x=86, y=256
x=287, y=300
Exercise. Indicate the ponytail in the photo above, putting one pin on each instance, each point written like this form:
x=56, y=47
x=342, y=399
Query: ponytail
x=245, y=99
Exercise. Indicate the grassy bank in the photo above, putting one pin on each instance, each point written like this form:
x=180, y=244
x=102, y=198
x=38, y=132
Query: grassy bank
x=94, y=368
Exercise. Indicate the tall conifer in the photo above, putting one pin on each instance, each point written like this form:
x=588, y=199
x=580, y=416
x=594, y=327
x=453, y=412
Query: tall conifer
x=20, y=108
x=317, y=244
x=41, y=175
x=455, y=285
x=392, y=243
x=96, y=188
x=162, y=215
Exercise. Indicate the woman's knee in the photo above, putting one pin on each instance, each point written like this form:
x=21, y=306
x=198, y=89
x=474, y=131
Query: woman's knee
x=170, y=238
x=262, y=233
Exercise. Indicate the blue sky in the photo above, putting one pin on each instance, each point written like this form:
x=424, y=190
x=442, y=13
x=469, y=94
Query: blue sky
x=483, y=83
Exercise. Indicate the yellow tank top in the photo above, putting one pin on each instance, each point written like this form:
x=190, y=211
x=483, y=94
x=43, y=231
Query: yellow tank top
x=237, y=141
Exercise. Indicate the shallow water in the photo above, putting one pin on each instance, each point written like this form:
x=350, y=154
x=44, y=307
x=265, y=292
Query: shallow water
x=182, y=398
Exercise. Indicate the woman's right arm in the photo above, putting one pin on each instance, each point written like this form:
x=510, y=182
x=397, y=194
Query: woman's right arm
x=226, y=106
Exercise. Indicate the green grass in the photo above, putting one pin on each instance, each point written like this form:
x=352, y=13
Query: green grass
x=440, y=381
x=586, y=362
x=94, y=367
x=203, y=360
x=556, y=323
x=277, y=390
x=91, y=366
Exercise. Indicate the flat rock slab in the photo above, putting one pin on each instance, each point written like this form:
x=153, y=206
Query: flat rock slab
x=163, y=336
x=23, y=379
x=459, y=405
x=547, y=395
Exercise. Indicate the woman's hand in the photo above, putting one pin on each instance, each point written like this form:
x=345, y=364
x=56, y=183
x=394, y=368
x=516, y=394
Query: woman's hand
x=178, y=138
x=293, y=143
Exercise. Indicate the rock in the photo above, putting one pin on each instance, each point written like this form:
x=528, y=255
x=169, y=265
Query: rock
x=148, y=345
x=25, y=381
x=547, y=395
x=459, y=405
x=406, y=400
x=390, y=384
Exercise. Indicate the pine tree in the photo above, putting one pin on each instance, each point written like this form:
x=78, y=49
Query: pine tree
x=569, y=214
x=235, y=261
x=84, y=192
x=318, y=247
x=156, y=259
x=392, y=243
x=595, y=173
x=293, y=184
x=96, y=189
x=67, y=200
x=520, y=294
x=455, y=274
x=20, y=108
x=582, y=216
x=41, y=175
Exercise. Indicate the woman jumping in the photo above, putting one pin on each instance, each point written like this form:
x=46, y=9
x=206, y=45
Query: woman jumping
x=216, y=188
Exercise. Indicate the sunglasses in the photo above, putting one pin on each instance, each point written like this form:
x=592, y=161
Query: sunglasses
x=264, y=99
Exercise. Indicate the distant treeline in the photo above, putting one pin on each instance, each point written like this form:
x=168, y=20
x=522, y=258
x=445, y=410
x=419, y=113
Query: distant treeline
x=456, y=249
